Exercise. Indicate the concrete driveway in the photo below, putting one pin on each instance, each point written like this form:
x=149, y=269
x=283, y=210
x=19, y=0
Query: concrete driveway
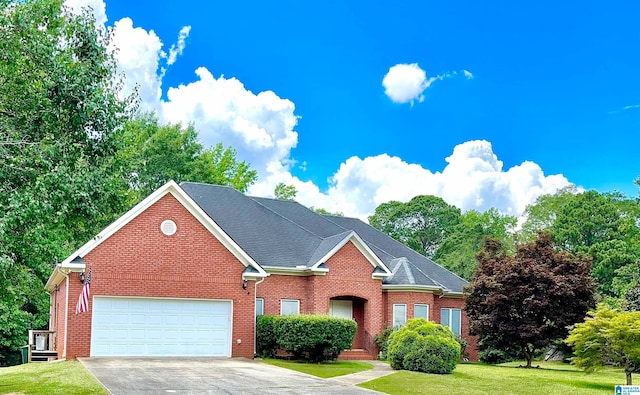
x=208, y=376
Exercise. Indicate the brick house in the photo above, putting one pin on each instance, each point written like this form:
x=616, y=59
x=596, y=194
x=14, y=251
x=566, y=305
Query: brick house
x=186, y=271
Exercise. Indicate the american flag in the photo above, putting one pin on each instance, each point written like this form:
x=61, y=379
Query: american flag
x=83, y=300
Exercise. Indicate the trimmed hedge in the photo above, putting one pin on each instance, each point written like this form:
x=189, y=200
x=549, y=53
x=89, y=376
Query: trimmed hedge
x=266, y=344
x=423, y=346
x=312, y=337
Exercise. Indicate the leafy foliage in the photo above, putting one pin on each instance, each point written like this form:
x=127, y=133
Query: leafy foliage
x=458, y=252
x=605, y=226
x=382, y=341
x=153, y=154
x=423, y=223
x=423, y=346
x=313, y=337
x=266, y=343
x=607, y=337
x=522, y=303
x=285, y=192
x=59, y=114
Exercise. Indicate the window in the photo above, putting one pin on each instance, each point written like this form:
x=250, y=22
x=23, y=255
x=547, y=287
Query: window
x=421, y=311
x=289, y=307
x=399, y=315
x=259, y=306
x=451, y=319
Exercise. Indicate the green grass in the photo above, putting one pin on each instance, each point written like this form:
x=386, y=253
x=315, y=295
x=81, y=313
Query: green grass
x=323, y=370
x=68, y=377
x=508, y=379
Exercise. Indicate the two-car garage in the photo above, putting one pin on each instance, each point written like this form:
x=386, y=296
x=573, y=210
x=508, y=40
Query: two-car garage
x=127, y=326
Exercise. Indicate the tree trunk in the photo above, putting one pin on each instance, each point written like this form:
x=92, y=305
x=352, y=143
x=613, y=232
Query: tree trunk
x=628, y=373
x=529, y=356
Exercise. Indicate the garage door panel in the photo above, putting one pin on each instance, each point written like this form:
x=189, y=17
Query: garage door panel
x=160, y=327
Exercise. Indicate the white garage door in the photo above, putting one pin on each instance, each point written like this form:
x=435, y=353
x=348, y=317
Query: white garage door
x=160, y=327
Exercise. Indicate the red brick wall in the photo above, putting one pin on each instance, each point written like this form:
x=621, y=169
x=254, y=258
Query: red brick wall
x=435, y=304
x=458, y=303
x=277, y=287
x=139, y=260
x=408, y=298
x=349, y=275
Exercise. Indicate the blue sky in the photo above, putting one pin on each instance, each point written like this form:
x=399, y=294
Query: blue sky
x=551, y=83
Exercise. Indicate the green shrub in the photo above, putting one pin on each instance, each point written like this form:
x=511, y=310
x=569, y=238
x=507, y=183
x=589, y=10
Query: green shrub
x=382, y=341
x=314, y=337
x=463, y=348
x=266, y=344
x=423, y=346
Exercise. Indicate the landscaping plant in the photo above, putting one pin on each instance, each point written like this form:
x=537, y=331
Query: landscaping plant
x=423, y=346
x=313, y=337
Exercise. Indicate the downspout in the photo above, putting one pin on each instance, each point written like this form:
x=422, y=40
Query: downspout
x=66, y=317
x=255, y=317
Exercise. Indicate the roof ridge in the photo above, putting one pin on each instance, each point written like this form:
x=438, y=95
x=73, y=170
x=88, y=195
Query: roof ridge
x=294, y=222
x=210, y=185
x=253, y=198
x=377, y=246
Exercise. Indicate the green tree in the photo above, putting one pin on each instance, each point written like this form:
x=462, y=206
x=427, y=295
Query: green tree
x=153, y=154
x=607, y=337
x=322, y=211
x=541, y=215
x=422, y=224
x=285, y=192
x=605, y=226
x=458, y=252
x=524, y=302
x=59, y=183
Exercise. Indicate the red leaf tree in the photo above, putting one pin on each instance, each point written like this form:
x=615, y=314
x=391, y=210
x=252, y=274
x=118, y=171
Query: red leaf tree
x=522, y=303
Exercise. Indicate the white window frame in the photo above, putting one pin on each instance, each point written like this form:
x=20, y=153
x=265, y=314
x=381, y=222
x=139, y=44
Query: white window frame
x=421, y=304
x=404, y=319
x=282, y=303
x=449, y=324
x=261, y=311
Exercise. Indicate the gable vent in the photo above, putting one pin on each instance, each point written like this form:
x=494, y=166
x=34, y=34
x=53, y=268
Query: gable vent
x=168, y=227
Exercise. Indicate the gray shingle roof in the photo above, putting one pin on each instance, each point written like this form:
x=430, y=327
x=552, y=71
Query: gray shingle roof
x=285, y=234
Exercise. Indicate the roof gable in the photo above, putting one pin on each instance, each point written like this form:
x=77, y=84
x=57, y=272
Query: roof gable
x=72, y=264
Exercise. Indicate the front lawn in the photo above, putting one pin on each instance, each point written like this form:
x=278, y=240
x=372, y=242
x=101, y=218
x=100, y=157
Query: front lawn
x=68, y=377
x=508, y=379
x=324, y=369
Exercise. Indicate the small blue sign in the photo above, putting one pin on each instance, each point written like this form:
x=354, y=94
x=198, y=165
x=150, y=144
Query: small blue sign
x=627, y=389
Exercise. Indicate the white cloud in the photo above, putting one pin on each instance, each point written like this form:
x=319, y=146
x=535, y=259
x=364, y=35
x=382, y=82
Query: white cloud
x=406, y=83
x=177, y=48
x=260, y=126
x=138, y=55
x=474, y=178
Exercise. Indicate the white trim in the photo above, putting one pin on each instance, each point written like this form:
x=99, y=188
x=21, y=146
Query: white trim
x=255, y=321
x=362, y=247
x=256, y=304
x=393, y=310
x=179, y=194
x=66, y=319
x=412, y=287
x=286, y=271
x=451, y=310
x=290, y=300
x=421, y=304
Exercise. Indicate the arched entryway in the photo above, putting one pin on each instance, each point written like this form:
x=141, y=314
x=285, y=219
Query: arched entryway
x=351, y=307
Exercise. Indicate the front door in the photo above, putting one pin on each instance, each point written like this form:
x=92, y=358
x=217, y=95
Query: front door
x=341, y=308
